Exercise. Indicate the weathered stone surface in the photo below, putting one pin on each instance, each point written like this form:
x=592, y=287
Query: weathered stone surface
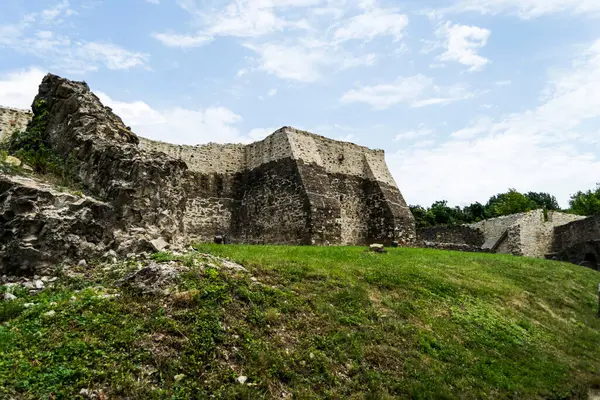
x=13, y=119
x=527, y=234
x=579, y=242
x=152, y=279
x=40, y=226
x=462, y=234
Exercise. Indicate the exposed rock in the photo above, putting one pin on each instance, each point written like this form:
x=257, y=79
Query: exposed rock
x=9, y=296
x=377, y=248
x=152, y=279
x=14, y=161
x=82, y=263
x=40, y=226
x=159, y=244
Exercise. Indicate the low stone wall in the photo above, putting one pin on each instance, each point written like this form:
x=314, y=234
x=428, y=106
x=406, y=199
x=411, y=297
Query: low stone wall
x=578, y=242
x=464, y=235
x=454, y=247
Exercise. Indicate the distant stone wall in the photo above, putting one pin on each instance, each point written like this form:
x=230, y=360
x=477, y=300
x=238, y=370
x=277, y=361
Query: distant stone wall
x=527, y=234
x=463, y=235
x=495, y=227
x=579, y=242
x=13, y=120
x=537, y=233
x=583, y=230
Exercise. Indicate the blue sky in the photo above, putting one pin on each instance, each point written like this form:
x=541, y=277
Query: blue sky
x=467, y=97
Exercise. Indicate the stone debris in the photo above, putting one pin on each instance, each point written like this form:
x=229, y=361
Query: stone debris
x=377, y=248
x=9, y=296
x=159, y=244
x=242, y=379
x=152, y=279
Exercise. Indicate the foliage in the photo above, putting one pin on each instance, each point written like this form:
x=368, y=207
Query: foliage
x=33, y=148
x=586, y=203
x=498, y=205
x=312, y=322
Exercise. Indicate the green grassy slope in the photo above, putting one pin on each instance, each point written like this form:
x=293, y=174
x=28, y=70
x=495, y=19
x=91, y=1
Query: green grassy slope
x=334, y=322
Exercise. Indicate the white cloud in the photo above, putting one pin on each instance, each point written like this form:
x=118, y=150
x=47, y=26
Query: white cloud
x=34, y=35
x=293, y=62
x=18, y=88
x=182, y=41
x=181, y=125
x=411, y=135
x=529, y=8
x=112, y=56
x=417, y=91
x=372, y=23
x=461, y=43
x=549, y=148
x=153, y=1
x=272, y=92
x=477, y=127
x=504, y=83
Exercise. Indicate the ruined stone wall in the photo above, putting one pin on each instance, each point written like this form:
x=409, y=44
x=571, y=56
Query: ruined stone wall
x=528, y=234
x=537, y=233
x=461, y=234
x=579, y=242
x=291, y=187
x=495, y=227
x=12, y=119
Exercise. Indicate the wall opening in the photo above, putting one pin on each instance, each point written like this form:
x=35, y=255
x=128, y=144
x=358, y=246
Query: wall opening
x=590, y=261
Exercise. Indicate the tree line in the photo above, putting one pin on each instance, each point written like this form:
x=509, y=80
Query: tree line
x=439, y=213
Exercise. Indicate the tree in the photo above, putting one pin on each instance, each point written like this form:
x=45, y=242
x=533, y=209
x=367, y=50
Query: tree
x=543, y=200
x=586, y=203
x=474, y=213
x=422, y=217
x=511, y=202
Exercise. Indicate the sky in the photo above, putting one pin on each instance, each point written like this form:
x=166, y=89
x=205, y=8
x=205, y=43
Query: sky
x=468, y=98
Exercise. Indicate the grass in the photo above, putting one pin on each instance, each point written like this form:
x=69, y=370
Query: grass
x=313, y=322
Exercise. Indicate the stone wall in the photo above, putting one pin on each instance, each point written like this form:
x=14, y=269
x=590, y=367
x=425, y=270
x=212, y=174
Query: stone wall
x=291, y=187
x=463, y=235
x=12, y=119
x=527, y=234
x=537, y=233
x=579, y=242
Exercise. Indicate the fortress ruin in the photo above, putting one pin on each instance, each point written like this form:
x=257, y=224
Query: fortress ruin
x=293, y=187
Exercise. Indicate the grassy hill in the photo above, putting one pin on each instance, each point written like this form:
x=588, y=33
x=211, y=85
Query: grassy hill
x=310, y=322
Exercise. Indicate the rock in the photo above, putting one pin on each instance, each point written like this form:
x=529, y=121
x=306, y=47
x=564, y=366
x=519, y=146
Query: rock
x=50, y=313
x=153, y=279
x=28, y=305
x=38, y=284
x=43, y=227
x=159, y=244
x=242, y=379
x=26, y=168
x=14, y=161
x=82, y=263
x=9, y=296
x=377, y=248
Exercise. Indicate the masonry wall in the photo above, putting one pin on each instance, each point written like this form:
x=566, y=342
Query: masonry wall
x=291, y=187
x=461, y=234
x=495, y=227
x=537, y=233
x=12, y=119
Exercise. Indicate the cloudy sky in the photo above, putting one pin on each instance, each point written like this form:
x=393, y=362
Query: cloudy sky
x=467, y=97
